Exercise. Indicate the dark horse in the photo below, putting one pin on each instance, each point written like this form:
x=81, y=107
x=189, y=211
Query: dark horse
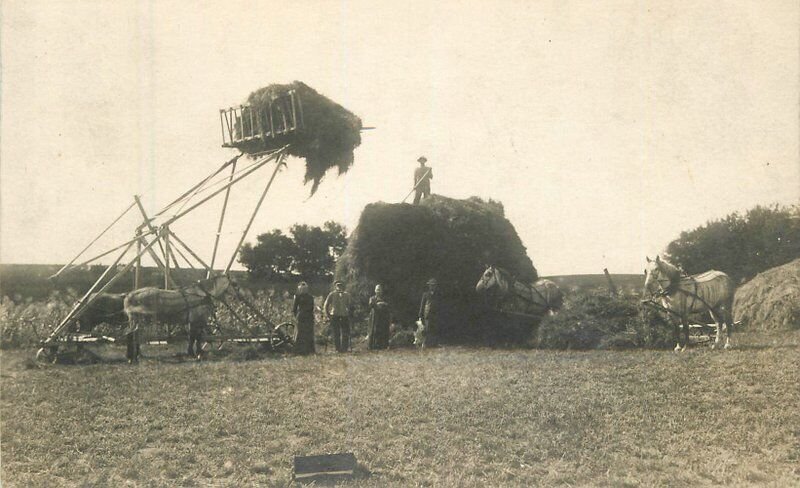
x=511, y=295
x=681, y=295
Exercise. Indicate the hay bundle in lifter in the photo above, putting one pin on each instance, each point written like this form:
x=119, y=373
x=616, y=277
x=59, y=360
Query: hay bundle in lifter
x=771, y=300
x=402, y=246
x=327, y=138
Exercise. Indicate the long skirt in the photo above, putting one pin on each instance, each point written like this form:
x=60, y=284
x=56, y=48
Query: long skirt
x=304, y=337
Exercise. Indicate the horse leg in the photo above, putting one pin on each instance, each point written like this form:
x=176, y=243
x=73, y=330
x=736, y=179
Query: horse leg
x=718, y=319
x=131, y=341
x=727, y=314
x=677, y=330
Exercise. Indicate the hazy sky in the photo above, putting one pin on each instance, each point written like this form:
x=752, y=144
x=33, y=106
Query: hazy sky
x=605, y=128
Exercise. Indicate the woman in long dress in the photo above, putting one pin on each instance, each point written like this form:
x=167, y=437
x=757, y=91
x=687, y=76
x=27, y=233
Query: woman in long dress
x=379, y=319
x=303, y=310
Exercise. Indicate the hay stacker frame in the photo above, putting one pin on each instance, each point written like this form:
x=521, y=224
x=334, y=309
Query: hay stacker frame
x=241, y=126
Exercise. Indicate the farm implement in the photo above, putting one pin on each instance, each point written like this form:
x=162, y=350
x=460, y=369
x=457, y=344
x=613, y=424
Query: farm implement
x=267, y=131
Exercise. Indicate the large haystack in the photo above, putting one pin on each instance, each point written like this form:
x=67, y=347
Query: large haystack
x=327, y=139
x=771, y=300
x=402, y=246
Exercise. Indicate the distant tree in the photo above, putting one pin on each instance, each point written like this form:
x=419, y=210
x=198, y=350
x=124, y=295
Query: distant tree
x=271, y=257
x=740, y=245
x=308, y=251
x=316, y=249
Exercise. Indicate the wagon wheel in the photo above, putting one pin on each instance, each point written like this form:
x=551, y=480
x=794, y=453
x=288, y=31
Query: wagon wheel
x=284, y=335
x=47, y=354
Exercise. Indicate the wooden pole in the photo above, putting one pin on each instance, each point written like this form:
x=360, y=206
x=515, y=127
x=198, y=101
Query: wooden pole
x=219, y=225
x=192, y=190
x=95, y=240
x=208, y=268
x=109, y=251
x=247, y=173
x=148, y=222
x=137, y=272
x=415, y=186
x=253, y=216
x=612, y=289
x=165, y=232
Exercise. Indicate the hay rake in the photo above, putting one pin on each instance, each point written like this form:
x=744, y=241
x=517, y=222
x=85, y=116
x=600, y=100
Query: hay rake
x=155, y=238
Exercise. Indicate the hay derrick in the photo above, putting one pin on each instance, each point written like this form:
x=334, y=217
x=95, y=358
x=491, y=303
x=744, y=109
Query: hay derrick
x=327, y=139
x=771, y=300
x=402, y=246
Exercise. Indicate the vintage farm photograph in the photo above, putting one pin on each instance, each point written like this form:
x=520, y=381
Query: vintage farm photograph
x=448, y=244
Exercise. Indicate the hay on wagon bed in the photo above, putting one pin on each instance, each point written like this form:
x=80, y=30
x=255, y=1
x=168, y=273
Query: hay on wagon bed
x=402, y=246
x=327, y=138
x=771, y=300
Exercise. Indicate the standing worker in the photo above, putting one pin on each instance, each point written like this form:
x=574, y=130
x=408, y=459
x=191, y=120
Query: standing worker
x=430, y=311
x=337, y=309
x=379, y=318
x=303, y=310
x=422, y=180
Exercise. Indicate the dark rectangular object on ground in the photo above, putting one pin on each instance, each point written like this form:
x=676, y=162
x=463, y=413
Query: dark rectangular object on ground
x=325, y=467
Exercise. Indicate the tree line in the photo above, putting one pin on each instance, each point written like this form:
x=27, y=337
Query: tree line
x=741, y=245
x=306, y=252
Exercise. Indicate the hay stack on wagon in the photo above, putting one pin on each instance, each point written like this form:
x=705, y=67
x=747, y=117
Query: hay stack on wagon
x=771, y=300
x=329, y=134
x=402, y=246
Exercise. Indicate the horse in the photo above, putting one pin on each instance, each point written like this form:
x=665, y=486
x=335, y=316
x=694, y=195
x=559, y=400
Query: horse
x=682, y=295
x=191, y=305
x=106, y=308
x=508, y=294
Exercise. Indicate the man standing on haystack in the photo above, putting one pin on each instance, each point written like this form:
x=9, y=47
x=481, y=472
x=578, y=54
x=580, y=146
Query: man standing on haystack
x=337, y=308
x=430, y=312
x=422, y=180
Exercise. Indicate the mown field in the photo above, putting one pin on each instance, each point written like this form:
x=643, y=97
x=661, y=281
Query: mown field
x=443, y=417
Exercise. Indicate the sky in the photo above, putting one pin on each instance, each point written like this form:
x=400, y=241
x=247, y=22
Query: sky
x=604, y=128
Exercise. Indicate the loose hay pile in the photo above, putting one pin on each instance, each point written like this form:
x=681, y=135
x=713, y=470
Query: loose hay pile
x=327, y=139
x=402, y=246
x=771, y=300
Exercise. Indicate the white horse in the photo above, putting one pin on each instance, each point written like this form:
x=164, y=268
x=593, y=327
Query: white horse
x=681, y=295
x=508, y=294
x=190, y=305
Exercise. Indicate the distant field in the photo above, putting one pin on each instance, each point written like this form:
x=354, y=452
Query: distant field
x=629, y=283
x=444, y=417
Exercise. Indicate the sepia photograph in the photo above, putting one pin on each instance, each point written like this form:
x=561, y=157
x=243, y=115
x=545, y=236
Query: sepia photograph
x=371, y=243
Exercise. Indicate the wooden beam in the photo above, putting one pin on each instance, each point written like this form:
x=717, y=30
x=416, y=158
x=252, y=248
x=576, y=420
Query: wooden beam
x=253, y=216
x=95, y=240
x=219, y=225
x=255, y=167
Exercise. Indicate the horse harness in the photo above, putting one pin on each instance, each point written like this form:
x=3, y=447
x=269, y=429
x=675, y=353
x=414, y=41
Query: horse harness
x=674, y=287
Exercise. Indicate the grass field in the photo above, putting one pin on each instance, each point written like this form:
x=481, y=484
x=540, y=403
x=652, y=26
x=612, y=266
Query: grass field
x=442, y=417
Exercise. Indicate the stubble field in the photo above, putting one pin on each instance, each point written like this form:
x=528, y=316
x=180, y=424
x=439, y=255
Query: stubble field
x=443, y=417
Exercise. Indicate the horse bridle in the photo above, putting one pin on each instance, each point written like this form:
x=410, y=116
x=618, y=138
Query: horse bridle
x=659, y=281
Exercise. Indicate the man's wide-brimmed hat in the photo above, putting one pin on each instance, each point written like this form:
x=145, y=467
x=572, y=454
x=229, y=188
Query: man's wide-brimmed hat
x=338, y=282
x=422, y=159
x=433, y=281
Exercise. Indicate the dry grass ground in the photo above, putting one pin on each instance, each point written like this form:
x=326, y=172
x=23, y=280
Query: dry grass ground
x=444, y=417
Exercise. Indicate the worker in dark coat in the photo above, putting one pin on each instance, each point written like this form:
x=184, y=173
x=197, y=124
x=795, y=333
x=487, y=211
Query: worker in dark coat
x=379, y=318
x=430, y=310
x=422, y=180
x=338, y=308
x=303, y=311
